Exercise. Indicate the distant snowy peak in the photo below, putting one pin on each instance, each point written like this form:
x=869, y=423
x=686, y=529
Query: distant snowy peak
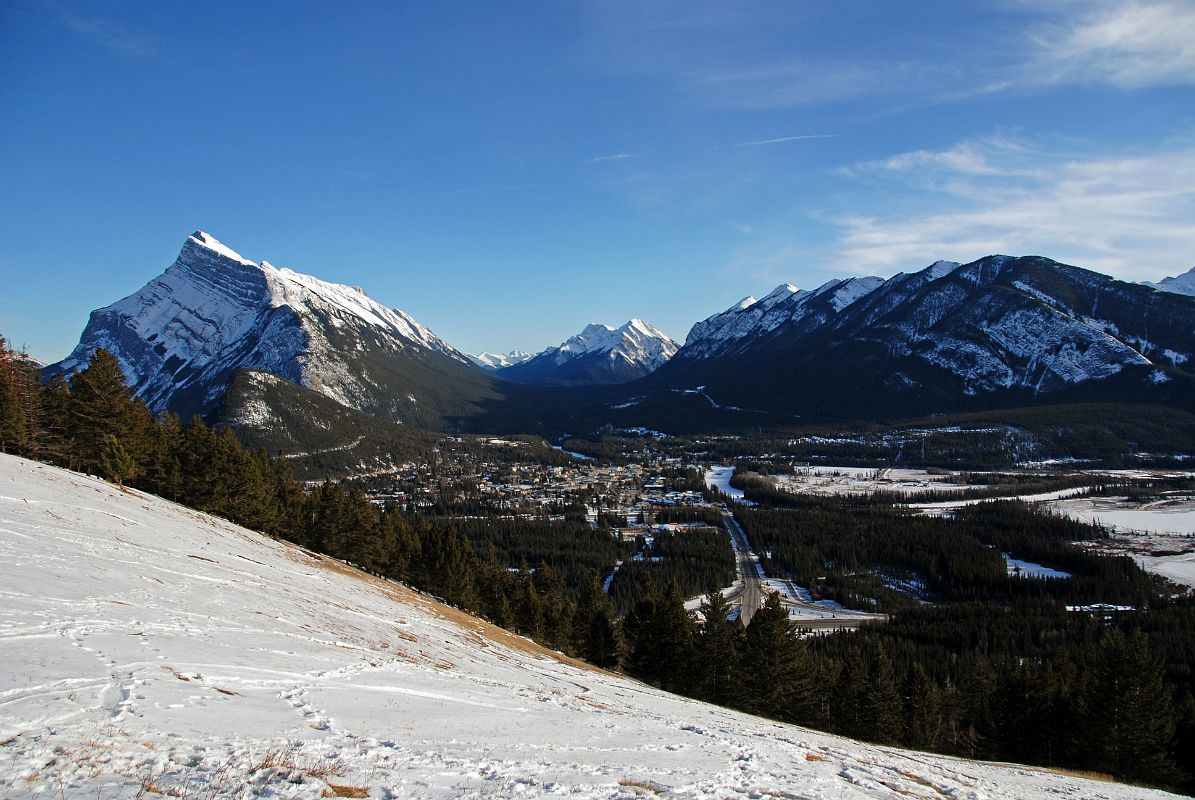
x=1179, y=284
x=212, y=312
x=500, y=360
x=636, y=339
x=598, y=354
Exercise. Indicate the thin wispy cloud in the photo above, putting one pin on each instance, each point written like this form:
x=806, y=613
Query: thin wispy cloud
x=1130, y=45
x=792, y=83
x=106, y=34
x=503, y=187
x=994, y=156
x=1128, y=215
x=783, y=139
x=613, y=157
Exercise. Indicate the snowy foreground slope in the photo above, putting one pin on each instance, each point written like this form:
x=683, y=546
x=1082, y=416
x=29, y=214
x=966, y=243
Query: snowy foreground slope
x=146, y=649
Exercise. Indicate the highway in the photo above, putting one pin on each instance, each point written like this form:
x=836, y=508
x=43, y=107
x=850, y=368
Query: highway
x=750, y=597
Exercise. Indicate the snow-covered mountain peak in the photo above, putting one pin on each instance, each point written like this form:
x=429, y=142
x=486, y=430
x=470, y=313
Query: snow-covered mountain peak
x=940, y=269
x=494, y=361
x=644, y=328
x=746, y=302
x=778, y=295
x=213, y=312
x=600, y=353
x=206, y=240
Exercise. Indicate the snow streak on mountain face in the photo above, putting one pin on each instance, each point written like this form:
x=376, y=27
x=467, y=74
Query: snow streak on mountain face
x=599, y=354
x=996, y=324
x=212, y=312
x=150, y=650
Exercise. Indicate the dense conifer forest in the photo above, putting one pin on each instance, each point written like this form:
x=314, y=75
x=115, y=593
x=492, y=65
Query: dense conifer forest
x=972, y=662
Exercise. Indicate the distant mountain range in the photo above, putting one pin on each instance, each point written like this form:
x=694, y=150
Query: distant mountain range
x=996, y=333
x=597, y=355
x=495, y=361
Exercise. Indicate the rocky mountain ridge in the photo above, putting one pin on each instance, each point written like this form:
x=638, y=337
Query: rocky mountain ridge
x=182, y=337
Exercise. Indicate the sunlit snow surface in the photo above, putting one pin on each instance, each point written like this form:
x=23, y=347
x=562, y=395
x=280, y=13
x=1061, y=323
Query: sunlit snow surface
x=719, y=478
x=148, y=650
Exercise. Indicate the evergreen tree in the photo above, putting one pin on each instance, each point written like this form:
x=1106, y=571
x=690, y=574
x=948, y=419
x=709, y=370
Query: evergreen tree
x=601, y=641
x=660, y=638
x=779, y=672
x=530, y=610
x=14, y=420
x=922, y=710
x=118, y=464
x=846, y=701
x=54, y=408
x=100, y=405
x=717, y=653
x=882, y=703
x=1131, y=720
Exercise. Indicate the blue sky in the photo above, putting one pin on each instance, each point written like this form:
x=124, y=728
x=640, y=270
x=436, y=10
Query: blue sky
x=508, y=172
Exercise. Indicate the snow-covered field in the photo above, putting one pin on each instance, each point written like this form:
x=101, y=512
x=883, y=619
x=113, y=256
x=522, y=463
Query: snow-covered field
x=1159, y=535
x=865, y=480
x=719, y=478
x=148, y=650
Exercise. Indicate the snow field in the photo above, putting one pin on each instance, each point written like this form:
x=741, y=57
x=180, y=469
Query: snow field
x=146, y=649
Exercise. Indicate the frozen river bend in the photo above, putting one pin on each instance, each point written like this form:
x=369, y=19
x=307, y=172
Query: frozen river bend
x=148, y=650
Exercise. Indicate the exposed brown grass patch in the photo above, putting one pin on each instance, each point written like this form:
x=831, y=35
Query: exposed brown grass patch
x=463, y=619
x=591, y=702
x=814, y=757
x=342, y=790
x=920, y=781
x=648, y=785
x=1103, y=777
x=226, y=691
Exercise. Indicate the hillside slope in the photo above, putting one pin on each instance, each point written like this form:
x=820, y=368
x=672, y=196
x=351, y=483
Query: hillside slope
x=149, y=649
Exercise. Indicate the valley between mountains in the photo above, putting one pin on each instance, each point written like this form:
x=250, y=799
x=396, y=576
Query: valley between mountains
x=149, y=650
x=948, y=513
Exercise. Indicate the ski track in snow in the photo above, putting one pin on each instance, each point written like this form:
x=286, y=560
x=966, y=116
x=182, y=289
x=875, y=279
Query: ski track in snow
x=149, y=649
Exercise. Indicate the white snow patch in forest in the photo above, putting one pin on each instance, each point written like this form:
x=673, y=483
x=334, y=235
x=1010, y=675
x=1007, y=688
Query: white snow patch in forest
x=719, y=478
